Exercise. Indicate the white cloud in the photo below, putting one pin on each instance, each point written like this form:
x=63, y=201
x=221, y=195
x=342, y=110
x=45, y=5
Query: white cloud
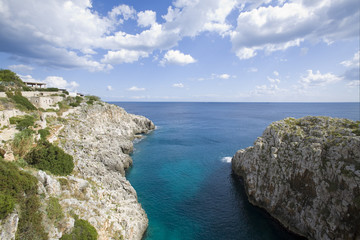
x=146, y=18
x=318, y=79
x=273, y=89
x=354, y=62
x=178, y=85
x=224, y=76
x=109, y=88
x=72, y=34
x=124, y=11
x=273, y=80
x=52, y=81
x=276, y=73
x=353, y=68
x=123, y=56
x=59, y=82
x=136, y=89
x=177, y=58
x=21, y=68
x=273, y=28
x=353, y=84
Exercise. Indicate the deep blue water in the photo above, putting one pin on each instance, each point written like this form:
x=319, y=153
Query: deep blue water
x=182, y=182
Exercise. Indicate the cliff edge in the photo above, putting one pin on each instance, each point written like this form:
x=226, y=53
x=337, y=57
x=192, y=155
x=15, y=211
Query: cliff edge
x=306, y=174
x=94, y=198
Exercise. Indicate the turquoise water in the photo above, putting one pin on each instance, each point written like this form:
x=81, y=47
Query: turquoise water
x=181, y=175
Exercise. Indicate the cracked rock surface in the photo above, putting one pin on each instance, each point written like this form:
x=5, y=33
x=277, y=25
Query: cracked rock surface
x=306, y=174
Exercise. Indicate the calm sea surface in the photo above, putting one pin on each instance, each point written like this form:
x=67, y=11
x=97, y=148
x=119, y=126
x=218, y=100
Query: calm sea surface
x=182, y=173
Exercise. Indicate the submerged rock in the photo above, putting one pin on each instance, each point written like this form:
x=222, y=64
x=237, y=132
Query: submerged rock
x=306, y=174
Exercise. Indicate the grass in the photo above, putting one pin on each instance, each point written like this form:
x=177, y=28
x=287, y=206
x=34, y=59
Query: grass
x=54, y=210
x=22, y=142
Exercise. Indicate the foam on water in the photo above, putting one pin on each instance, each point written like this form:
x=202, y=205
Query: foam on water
x=226, y=159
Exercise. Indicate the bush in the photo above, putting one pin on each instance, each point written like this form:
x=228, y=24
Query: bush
x=43, y=134
x=22, y=122
x=7, y=76
x=23, y=101
x=52, y=158
x=18, y=187
x=22, y=142
x=7, y=204
x=82, y=230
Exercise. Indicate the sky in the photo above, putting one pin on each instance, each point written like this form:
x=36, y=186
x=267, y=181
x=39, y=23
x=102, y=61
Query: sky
x=187, y=50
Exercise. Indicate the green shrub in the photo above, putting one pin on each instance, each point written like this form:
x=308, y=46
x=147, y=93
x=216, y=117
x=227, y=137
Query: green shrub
x=30, y=223
x=51, y=89
x=54, y=210
x=2, y=88
x=7, y=204
x=23, y=101
x=82, y=230
x=10, y=78
x=26, y=89
x=52, y=158
x=43, y=133
x=18, y=187
x=22, y=142
x=23, y=122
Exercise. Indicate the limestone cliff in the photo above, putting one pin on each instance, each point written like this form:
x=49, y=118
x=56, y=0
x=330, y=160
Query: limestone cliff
x=306, y=174
x=99, y=137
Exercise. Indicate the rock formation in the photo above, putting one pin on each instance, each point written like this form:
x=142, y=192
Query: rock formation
x=99, y=137
x=306, y=174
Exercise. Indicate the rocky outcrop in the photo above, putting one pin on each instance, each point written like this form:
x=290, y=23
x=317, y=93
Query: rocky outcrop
x=306, y=174
x=99, y=137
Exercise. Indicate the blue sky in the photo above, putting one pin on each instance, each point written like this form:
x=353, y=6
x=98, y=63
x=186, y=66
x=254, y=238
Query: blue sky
x=187, y=50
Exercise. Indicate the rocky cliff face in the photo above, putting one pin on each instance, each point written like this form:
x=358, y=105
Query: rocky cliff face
x=99, y=137
x=306, y=174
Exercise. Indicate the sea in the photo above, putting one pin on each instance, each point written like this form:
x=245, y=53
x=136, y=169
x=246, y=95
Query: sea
x=182, y=172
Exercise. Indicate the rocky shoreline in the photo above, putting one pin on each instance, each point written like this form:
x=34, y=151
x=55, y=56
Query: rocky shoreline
x=306, y=174
x=100, y=137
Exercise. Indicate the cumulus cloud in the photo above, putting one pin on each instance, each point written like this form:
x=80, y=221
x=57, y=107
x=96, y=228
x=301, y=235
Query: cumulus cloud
x=224, y=76
x=136, y=89
x=318, y=79
x=72, y=34
x=178, y=85
x=354, y=62
x=273, y=28
x=177, y=58
x=146, y=18
x=273, y=80
x=52, y=81
x=109, y=88
x=21, y=68
x=353, y=68
x=59, y=82
x=123, y=56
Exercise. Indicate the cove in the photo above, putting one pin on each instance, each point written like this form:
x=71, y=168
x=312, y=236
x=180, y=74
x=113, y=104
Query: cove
x=182, y=174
